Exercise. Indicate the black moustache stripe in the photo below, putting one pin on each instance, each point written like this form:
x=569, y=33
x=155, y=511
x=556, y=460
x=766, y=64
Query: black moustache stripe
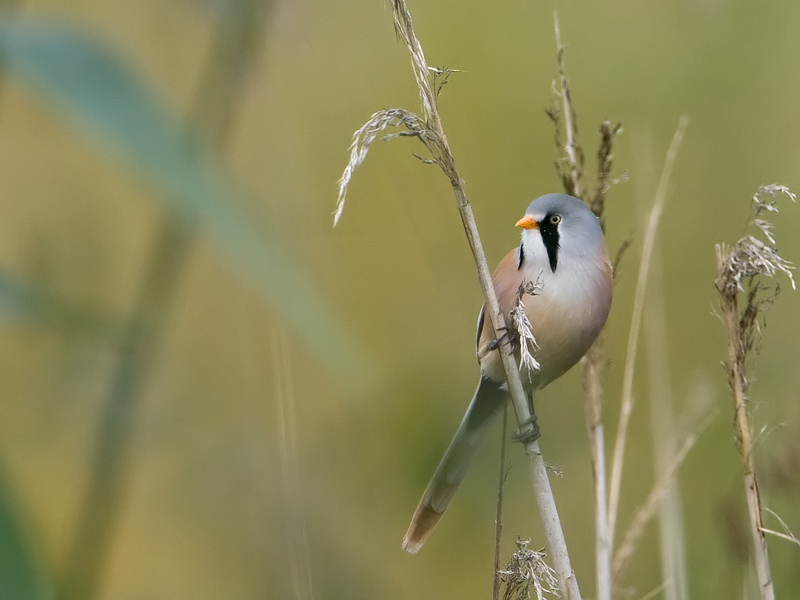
x=550, y=238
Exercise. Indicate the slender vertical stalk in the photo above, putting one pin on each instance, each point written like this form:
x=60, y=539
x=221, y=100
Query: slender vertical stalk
x=662, y=426
x=498, y=523
x=297, y=547
x=730, y=312
x=651, y=504
x=428, y=129
x=235, y=43
x=140, y=338
x=749, y=268
x=436, y=140
x=572, y=147
x=591, y=364
x=636, y=321
x=593, y=403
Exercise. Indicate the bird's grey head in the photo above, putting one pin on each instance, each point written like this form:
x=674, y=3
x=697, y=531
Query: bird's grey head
x=564, y=227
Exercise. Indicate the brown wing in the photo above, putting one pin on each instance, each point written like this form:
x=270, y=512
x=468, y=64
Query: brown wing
x=506, y=279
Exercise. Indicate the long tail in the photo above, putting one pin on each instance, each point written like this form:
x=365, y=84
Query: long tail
x=477, y=423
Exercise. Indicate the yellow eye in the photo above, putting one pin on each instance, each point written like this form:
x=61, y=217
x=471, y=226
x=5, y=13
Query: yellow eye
x=554, y=219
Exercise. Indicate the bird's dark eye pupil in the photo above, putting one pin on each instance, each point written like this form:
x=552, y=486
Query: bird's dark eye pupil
x=555, y=219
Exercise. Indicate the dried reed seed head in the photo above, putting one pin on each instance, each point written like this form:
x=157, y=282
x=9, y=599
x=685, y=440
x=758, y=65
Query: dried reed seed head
x=750, y=257
x=363, y=138
x=527, y=571
x=405, y=31
x=605, y=160
x=747, y=259
x=531, y=288
x=570, y=165
x=441, y=77
x=430, y=81
x=523, y=329
x=527, y=342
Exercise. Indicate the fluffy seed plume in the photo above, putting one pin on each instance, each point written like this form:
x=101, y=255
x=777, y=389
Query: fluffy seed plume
x=379, y=121
x=522, y=327
x=751, y=257
x=527, y=571
x=427, y=128
x=749, y=268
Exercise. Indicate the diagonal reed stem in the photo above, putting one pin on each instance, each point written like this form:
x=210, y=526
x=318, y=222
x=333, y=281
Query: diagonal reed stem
x=435, y=140
x=636, y=321
x=142, y=337
x=428, y=129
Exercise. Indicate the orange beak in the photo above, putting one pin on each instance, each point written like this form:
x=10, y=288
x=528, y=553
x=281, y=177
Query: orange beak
x=528, y=222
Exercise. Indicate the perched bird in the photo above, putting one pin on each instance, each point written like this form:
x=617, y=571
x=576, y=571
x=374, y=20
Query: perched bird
x=564, y=255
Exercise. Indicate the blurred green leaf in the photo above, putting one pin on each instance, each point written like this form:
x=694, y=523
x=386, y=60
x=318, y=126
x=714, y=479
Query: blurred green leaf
x=23, y=303
x=21, y=576
x=20, y=303
x=106, y=99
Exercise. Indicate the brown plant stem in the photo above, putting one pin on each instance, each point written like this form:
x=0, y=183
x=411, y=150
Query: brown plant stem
x=729, y=303
x=428, y=129
x=593, y=394
x=572, y=148
x=570, y=169
x=749, y=268
x=498, y=524
x=436, y=141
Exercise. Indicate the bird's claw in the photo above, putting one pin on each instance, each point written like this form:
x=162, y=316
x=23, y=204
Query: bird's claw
x=494, y=344
x=529, y=435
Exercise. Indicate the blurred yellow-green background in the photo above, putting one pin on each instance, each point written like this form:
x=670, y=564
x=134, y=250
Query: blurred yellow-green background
x=260, y=398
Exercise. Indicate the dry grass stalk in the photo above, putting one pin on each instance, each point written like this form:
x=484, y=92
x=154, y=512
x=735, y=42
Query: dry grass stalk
x=605, y=160
x=592, y=365
x=749, y=268
x=527, y=571
x=636, y=320
x=671, y=536
x=429, y=82
x=786, y=535
x=296, y=532
x=650, y=506
x=656, y=591
x=498, y=523
x=570, y=168
x=623, y=248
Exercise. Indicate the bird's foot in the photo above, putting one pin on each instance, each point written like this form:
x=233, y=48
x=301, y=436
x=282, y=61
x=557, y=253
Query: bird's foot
x=529, y=435
x=493, y=345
